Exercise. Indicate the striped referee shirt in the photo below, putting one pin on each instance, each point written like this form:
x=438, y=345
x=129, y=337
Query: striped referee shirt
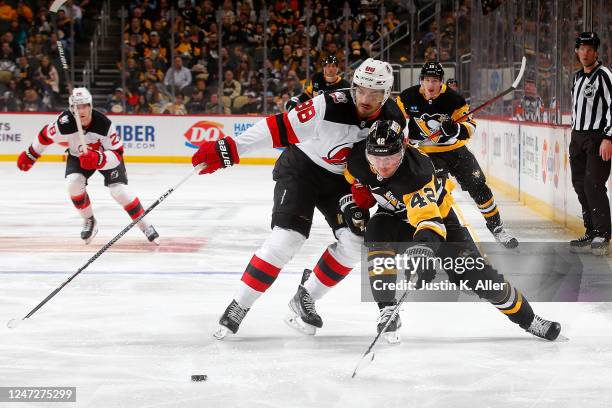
x=592, y=100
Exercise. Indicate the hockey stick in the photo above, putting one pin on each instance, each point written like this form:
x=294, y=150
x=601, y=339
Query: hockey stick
x=16, y=322
x=513, y=87
x=77, y=119
x=369, y=355
x=55, y=6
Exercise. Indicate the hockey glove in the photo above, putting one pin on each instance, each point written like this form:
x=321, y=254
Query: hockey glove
x=354, y=217
x=92, y=160
x=421, y=265
x=362, y=196
x=216, y=154
x=292, y=103
x=450, y=129
x=27, y=159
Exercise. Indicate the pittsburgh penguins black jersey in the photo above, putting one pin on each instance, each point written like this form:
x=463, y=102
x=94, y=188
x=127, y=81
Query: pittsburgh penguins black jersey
x=318, y=85
x=424, y=118
x=413, y=192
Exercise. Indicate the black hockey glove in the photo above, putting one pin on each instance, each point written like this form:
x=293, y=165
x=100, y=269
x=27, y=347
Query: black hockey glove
x=421, y=264
x=450, y=129
x=292, y=103
x=354, y=217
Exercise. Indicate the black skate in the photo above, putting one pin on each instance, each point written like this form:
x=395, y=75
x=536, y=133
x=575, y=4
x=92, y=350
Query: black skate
x=543, y=328
x=302, y=313
x=230, y=320
x=90, y=229
x=582, y=244
x=391, y=334
x=152, y=235
x=600, y=246
x=503, y=237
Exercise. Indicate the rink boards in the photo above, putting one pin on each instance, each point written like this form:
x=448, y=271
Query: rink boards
x=527, y=161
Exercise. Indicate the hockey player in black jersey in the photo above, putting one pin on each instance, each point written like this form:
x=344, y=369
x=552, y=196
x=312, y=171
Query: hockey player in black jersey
x=318, y=135
x=416, y=207
x=325, y=81
x=431, y=106
x=103, y=152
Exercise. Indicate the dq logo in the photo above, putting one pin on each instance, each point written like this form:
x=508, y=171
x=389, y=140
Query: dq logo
x=203, y=131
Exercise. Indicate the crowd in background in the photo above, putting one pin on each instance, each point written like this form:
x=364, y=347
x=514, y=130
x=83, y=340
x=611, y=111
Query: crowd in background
x=180, y=77
x=29, y=77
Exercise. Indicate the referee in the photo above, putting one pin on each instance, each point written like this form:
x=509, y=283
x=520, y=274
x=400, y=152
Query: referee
x=591, y=145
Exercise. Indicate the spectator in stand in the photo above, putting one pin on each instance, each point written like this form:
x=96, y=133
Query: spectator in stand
x=32, y=102
x=24, y=12
x=213, y=105
x=23, y=70
x=156, y=51
x=177, y=107
x=196, y=104
x=50, y=76
x=135, y=47
x=177, y=76
x=116, y=101
x=7, y=12
x=149, y=72
x=253, y=105
x=231, y=87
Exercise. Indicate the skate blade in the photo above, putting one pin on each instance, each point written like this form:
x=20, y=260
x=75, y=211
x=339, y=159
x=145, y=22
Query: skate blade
x=93, y=235
x=392, y=337
x=600, y=251
x=365, y=361
x=156, y=241
x=580, y=250
x=221, y=333
x=293, y=320
x=561, y=339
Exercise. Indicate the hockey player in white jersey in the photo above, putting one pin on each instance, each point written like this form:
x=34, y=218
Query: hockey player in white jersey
x=318, y=135
x=104, y=153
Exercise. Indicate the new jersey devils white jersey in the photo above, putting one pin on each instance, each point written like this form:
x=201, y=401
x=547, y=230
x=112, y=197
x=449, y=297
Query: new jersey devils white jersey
x=324, y=128
x=99, y=135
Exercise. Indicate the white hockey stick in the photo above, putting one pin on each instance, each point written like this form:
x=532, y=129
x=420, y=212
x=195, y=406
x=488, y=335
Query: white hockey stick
x=513, y=87
x=55, y=6
x=16, y=321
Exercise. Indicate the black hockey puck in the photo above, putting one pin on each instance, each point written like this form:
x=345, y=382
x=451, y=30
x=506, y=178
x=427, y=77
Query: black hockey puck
x=199, y=377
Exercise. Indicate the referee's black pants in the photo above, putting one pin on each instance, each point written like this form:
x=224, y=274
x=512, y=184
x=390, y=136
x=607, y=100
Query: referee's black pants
x=589, y=176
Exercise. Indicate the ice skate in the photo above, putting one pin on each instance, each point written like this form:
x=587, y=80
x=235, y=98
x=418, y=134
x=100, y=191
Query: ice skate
x=230, y=320
x=152, y=235
x=302, y=314
x=503, y=237
x=600, y=246
x=543, y=328
x=582, y=244
x=90, y=229
x=391, y=334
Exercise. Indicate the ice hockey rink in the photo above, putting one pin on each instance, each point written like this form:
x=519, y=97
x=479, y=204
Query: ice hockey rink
x=133, y=328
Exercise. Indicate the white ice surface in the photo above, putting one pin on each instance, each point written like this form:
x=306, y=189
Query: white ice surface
x=133, y=328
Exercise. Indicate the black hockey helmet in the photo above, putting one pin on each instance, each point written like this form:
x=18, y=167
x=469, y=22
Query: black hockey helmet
x=330, y=59
x=432, y=69
x=451, y=81
x=384, y=138
x=588, y=38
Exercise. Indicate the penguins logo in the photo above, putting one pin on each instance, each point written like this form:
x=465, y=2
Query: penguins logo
x=428, y=124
